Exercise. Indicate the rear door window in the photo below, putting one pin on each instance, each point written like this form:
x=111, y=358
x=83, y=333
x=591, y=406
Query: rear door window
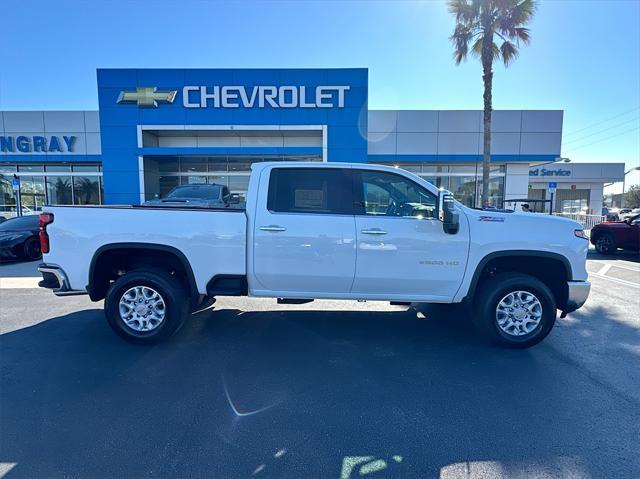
x=310, y=190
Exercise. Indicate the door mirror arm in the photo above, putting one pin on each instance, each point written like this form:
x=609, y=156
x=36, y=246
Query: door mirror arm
x=447, y=212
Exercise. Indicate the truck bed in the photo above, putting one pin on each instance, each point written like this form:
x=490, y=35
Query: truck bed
x=212, y=240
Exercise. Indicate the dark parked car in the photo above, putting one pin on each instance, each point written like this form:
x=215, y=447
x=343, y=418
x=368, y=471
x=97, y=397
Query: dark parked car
x=607, y=237
x=195, y=196
x=19, y=238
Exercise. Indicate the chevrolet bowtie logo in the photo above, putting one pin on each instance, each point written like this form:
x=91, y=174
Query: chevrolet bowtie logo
x=147, y=96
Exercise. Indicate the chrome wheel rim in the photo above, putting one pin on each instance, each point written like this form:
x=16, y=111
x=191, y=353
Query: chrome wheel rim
x=519, y=313
x=142, y=308
x=604, y=244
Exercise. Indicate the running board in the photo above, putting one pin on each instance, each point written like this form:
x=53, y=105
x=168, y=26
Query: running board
x=293, y=301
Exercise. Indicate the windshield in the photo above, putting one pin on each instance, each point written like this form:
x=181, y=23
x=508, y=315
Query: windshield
x=23, y=223
x=203, y=192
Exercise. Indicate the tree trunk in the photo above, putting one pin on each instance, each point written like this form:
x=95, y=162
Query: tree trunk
x=487, y=78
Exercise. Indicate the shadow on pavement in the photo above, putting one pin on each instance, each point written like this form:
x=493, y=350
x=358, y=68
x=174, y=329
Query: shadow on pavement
x=17, y=269
x=620, y=255
x=294, y=393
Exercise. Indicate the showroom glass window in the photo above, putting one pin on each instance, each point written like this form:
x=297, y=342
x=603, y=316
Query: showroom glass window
x=59, y=185
x=310, y=190
x=232, y=171
x=7, y=195
x=32, y=190
x=53, y=184
x=381, y=193
x=86, y=188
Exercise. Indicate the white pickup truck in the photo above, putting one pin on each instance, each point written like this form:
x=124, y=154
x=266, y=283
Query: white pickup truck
x=318, y=230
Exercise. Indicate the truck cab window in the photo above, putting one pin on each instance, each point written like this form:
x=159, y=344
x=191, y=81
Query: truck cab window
x=387, y=194
x=310, y=190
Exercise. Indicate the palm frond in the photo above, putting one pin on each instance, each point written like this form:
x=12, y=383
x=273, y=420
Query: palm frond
x=476, y=49
x=522, y=35
x=508, y=52
x=495, y=51
x=465, y=11
x=461, y=37
x=523, y=11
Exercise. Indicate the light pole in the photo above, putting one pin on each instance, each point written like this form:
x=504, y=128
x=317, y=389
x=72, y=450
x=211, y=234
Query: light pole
x=624, y=180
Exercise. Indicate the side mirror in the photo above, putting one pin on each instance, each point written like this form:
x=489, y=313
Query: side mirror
x=234, y=199
x=447, y=212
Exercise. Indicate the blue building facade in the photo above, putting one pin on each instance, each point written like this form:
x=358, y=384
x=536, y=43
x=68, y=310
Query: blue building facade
x=262, y=103
x=158, y=128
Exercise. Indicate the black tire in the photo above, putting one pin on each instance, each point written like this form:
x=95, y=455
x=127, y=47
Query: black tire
x=605, y=243
x=494, y=290
x=172, y=293
x=31, y=249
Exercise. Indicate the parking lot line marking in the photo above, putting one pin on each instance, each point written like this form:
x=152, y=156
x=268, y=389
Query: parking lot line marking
x=605, y=269
x=626, y=266
x=19, y=283
x=5, y=467
x=616, y=280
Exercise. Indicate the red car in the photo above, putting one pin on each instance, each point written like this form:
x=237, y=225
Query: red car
x=608, y=236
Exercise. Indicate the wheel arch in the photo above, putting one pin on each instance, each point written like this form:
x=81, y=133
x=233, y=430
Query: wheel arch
x=97, y=290
x=514, y=260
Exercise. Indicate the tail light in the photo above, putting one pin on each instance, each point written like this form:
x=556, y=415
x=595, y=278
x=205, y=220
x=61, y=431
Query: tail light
x=45, y=219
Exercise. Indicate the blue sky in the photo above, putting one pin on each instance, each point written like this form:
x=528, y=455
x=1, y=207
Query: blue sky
x=584, y=57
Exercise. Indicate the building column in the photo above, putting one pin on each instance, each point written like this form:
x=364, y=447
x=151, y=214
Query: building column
x=516, y=181
x=595, y=198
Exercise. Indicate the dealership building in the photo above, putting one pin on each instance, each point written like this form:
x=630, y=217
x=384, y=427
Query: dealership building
x=159, y=128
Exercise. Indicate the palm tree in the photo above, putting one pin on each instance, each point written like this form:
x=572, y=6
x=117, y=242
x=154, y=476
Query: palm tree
x=479, y=23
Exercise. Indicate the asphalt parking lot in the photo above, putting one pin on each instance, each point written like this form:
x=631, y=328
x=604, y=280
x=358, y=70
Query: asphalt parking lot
x=253, y=389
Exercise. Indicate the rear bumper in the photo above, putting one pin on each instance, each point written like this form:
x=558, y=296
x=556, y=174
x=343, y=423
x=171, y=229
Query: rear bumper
x=55, y=279
x=578, y=294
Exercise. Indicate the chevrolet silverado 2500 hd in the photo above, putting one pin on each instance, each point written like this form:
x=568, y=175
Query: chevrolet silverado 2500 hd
x=318, y=230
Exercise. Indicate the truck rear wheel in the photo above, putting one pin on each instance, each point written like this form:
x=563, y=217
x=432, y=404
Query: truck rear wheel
x=146, y=307
x=515, y=310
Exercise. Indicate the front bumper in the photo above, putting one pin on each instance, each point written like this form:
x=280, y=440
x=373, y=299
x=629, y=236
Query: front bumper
x=55, y=279
x=578, y=292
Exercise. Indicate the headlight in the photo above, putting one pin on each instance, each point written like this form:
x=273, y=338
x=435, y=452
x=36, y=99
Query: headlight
x=580, y=234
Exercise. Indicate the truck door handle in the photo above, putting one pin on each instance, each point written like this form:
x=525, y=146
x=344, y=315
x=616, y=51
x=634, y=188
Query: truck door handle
x=273, y=228
x=374, y=231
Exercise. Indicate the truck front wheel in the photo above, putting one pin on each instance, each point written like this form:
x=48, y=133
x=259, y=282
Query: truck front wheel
x=146, y=307
x=514, y=310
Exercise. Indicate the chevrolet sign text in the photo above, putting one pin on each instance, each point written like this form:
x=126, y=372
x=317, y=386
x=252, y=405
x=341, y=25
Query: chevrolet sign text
x=263, y=96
